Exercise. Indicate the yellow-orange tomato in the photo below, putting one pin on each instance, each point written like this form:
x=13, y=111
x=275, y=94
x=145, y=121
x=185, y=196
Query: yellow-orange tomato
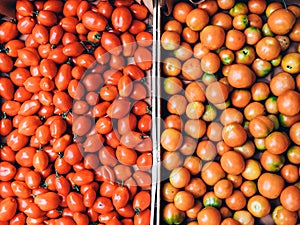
x=181, y=10
x=268, y=48
x=259, y=206
x=171, y=139
x=236, y=201
x=235, y=40
x=240, y=98
x=288, y=103
x=240, y=76
x=282, y=82
x=282, y=216
x=169, y=191
x=270, y=185
x=223, y=188
x=216, y=92
x=191, y=69
x=277, y=142
x=171, y=66
x=252, y=170
x=212, y=37
x=232, y=162
x=180, y=177
x=183, y=200
x=212, y=172
x=248, y=188
x=196, y=187
x=295, y=133
x=281, y=21
x=197, y=19
x=290, y=63
x=260, y=126
x=209, y=215
x=170, y=40
x=290, y=173
x=290, y=198
x=271, y=162
x=234, y=134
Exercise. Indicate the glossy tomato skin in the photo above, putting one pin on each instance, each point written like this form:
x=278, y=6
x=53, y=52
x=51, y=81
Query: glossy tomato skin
x=8, y=208
x=121, y=19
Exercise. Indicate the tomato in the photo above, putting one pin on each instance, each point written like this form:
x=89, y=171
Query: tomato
x=140, y=12
x=171, y=215
x=6, y=63
x=143, y=218
x=94, y=21
x=181, y=10
x=240, y=76
x=258, y=206
x=47, y=201
x=120, y=197
x=289, y=198
x=209, y=214
x=8, y=31
x=129, y=45
x=282, y=216
x=209, y=34
x=281, y=24
x=141, y=201
x=8, y=209
x=183, y=200
x=143, y=58
x=103, y=205
x=170, y=40
x=289, y=63
x=121, y=19
x=16, y=141
x=235, y=40
x=194, y=15
x=268, y=48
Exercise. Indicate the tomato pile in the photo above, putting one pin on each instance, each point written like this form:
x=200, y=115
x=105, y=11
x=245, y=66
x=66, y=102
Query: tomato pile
x=76, y=143
x=231, y=131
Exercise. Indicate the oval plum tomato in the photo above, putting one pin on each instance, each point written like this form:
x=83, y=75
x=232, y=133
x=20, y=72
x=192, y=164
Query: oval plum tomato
x=8, y=209
x=172, y=215
x=143, y=218
x=94, y=21
x=121, y=19
x=141, y=201
x=120, y=197
x=47, y=201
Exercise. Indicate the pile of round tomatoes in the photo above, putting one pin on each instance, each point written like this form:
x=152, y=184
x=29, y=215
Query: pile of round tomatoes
x=231, y=130
x=75, y=124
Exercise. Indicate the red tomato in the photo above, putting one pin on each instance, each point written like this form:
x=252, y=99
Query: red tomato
x=120, y=197
x=103, y=205
x=141, y=201
x=143, y=218
x=94, y=21
x=8, y=209
x=121, y=19
x=6, y=63
x=75, y=202
x=8, y=31
x=47, y=201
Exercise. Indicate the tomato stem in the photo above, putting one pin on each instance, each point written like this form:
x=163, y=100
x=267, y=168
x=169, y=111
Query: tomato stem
x=284, y=4
x=57, y=174
x=149, y=109
x=60, y=155
x=76, y=188
x=2, y=145
x=43, y=184
x=35, y=13
x=137, y=211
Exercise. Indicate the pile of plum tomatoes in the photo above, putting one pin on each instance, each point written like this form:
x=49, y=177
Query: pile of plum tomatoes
x=75, y=126
x=231, y=131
